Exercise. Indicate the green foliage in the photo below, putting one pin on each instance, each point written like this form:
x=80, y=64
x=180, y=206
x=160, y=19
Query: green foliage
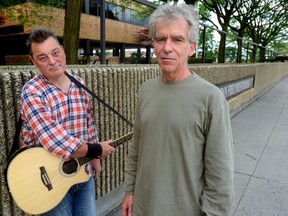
x=199, y=60
x=54, y=3
x=137, y=58
x=210, y=45
x=7, y=3
x=280, y=47
x=37, y=14
x=231, y=54
x=263, y=22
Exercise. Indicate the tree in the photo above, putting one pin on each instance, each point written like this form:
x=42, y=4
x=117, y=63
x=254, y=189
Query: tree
x=210, y=44
x=268, y=25
x=245, y=13
x=263, y=21
x=224, y=10
x=280, y=44
x=28, y=14
x=71, y=30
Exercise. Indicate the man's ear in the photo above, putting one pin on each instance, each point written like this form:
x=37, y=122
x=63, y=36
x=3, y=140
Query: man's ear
x=192, y=49
x=63, y=50
x=32, y=60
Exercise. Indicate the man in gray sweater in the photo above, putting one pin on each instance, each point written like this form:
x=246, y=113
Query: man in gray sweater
x=180, y=161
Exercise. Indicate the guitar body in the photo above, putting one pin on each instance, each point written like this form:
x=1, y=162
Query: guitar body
x=37, y=182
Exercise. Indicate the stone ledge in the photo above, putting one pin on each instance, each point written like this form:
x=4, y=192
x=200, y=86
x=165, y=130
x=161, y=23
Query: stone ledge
x=110, y=201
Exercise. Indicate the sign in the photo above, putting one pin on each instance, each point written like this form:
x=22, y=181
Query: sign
x=233, y=88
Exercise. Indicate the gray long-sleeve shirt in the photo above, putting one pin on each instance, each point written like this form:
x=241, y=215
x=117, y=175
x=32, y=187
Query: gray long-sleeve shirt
x=180, y=161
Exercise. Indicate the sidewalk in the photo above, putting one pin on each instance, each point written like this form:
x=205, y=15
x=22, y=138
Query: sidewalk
x=261, y=156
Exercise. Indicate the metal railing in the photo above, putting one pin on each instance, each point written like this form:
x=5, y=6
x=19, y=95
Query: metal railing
x=271, y=54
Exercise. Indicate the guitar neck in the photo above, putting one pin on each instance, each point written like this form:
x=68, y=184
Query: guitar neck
x=115, y=143
x=121, y=140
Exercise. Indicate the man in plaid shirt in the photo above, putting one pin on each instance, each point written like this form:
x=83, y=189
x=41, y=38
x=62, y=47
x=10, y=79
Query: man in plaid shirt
x=57, y=115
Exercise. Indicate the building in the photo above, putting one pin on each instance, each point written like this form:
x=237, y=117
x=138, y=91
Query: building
x=121, y=25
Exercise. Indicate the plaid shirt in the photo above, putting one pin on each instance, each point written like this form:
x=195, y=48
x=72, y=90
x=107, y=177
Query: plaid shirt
x=56, y=120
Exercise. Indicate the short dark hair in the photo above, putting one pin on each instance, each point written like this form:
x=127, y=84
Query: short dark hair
x=39, y=35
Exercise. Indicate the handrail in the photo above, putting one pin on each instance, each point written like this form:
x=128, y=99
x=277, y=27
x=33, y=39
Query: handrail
x=149, y=4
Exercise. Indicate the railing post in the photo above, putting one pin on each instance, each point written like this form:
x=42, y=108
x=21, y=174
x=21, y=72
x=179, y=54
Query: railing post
x=203, y=45
x=102, y=31
x=247, y=52
x=239, y=60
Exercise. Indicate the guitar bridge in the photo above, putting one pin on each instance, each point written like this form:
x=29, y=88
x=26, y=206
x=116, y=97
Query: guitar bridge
x=45, y=178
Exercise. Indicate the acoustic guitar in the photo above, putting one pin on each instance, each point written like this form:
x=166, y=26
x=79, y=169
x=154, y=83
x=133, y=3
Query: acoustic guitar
x=38, y=180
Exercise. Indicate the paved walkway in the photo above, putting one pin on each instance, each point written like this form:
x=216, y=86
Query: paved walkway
x=261, y=155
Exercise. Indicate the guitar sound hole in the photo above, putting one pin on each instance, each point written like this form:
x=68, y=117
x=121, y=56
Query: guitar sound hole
x=70, y=166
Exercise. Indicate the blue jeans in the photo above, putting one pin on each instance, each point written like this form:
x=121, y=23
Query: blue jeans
x=79, y=201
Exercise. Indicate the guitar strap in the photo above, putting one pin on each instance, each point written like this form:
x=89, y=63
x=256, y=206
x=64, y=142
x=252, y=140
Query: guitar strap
x=16, y=138
x=13, y=148
x=80, y=85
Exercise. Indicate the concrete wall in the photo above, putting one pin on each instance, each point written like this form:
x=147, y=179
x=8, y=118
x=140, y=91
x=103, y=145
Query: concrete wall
x=266, y=74
x=118, y=85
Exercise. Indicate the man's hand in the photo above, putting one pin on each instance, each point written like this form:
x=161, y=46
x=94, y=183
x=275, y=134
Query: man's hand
x=107, y=149
x=94, y=150
x=127, y=205
x=96, y=165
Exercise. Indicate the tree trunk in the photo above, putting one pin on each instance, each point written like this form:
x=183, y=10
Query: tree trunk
x=262, y=55
x=239, y=51
x=253, y=55
x=221, y=54
x=71, y=30
x=148, y=53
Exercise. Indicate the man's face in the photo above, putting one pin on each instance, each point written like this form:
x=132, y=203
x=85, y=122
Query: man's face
x=49, y=57
x=172, y=47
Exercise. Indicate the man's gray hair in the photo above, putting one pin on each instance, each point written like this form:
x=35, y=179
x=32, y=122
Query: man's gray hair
x=169, y=13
